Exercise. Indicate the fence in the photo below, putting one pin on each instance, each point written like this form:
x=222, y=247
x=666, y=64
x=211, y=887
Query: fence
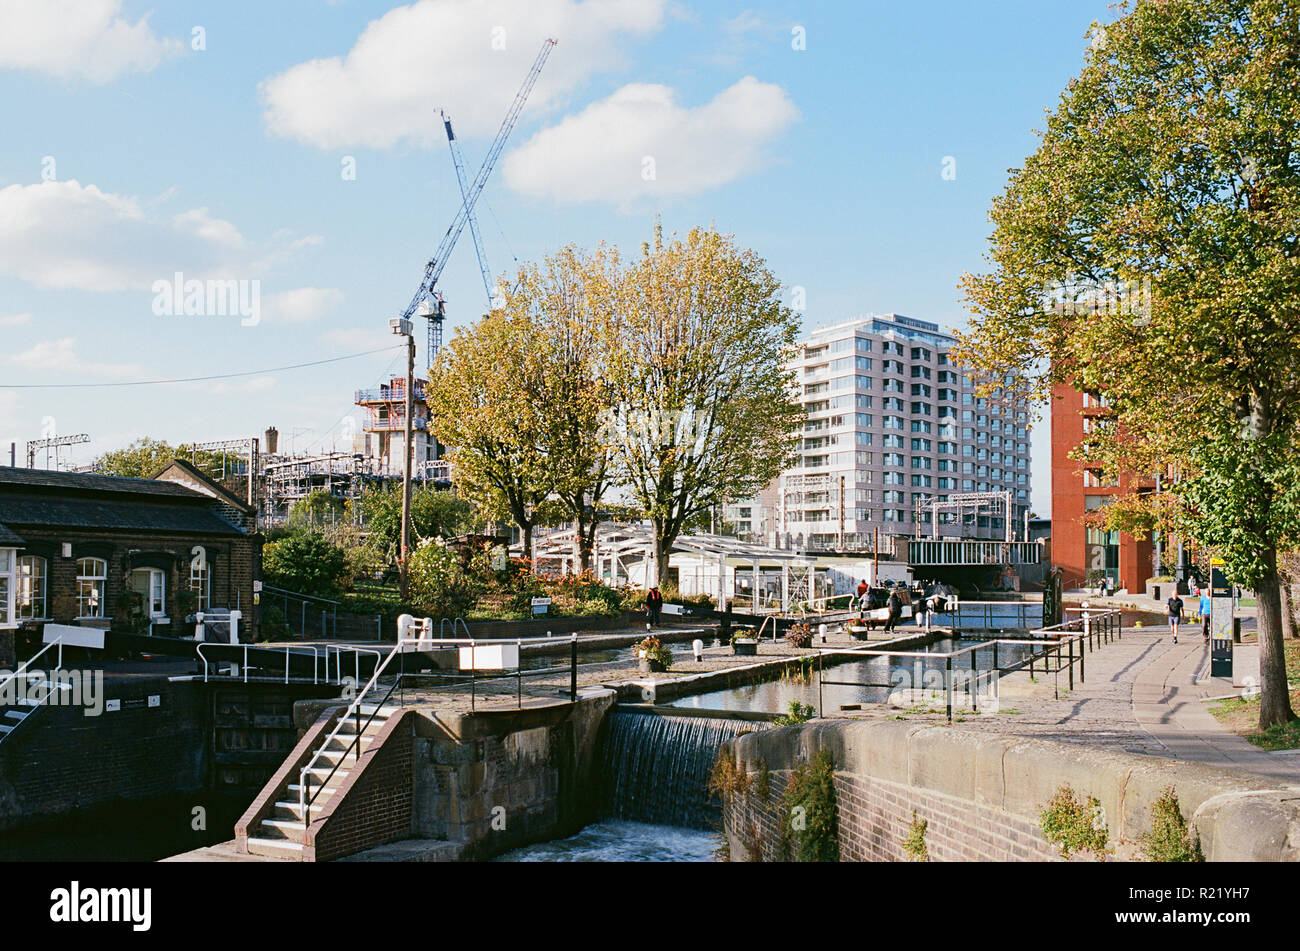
x=306, y=615
x=1052, y=650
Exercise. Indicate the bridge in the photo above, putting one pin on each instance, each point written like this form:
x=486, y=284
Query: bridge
x=935, y=552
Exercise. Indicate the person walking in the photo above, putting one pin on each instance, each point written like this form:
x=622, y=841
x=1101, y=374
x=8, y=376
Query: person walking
x=654, y=604
x=895, y=610
x=1174, y=606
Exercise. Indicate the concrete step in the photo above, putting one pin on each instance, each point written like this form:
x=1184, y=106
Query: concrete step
x=290, y=829
x=383, y=713
x=322, y=772
x=277, y=848
x=294, y=790
x=342, y=742
x=16, y=715
x=5, y=729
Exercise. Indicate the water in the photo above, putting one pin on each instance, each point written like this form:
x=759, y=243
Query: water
x=655, y=769
x=625, y=656
x=902, y=672
x=618, y=840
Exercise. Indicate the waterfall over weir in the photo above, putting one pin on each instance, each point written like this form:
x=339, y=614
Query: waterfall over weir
x=656, y=768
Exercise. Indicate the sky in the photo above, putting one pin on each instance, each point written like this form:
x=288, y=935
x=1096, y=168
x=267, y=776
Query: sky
x=297, y=149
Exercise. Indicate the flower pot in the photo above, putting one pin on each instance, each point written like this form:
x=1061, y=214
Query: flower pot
x=649, y=666
x=745, y=648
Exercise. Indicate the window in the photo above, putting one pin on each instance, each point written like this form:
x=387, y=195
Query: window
x=7, y=558
x=92, y=574
x=920, y=353
x=32, y=573
x=151, y=585
x=201, y=575
x=921, y=373
x=919, y=409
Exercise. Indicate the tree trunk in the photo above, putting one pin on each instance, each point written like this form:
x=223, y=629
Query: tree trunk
x=1287, y=608
x=663, y=547
x=1275, y=697
x=527, y=529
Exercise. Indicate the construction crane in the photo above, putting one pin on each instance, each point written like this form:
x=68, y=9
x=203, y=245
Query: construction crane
x=428, y=302
x=459, y=162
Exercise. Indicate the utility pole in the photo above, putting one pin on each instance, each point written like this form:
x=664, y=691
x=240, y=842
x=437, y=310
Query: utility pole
x=875, y=557
x=402, y=327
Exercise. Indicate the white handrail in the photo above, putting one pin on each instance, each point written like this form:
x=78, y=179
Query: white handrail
x=25, y=665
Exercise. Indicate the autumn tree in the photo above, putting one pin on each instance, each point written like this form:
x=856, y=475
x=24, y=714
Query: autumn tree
x=702, y=407
x=1148, y=251
x=482, y=404
x=560, y=306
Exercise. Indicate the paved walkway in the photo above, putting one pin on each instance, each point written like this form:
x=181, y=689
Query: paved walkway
x=1143, y=694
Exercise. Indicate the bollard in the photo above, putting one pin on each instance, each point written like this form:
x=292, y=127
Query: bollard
x=948, y=685
x=573, y=669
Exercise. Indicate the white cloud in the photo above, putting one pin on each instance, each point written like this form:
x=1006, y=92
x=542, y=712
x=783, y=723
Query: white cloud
x=66, y=235
x=440, y=54
x=15, y=320
x=78, y=39
x=61, y=355
x=302, y=305
x=604, y=153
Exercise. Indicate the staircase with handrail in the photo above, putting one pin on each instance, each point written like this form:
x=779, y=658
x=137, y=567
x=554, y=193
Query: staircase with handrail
x=282, y=831
x=30, y=688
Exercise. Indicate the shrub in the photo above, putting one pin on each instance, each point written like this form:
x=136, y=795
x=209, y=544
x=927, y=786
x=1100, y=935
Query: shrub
x=811, y=833
x=656, y=651
x=439, y=582
x=306, y=563
x=800, y=635
x=1074, y=825
x=798, y=713
x=914, y=845
x=1170, y=838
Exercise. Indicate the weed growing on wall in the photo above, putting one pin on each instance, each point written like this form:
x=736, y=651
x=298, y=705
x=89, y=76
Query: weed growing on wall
x=1074, y=825
x=914, y=845
x=810, y=832
x=798, y=713
x=1170, y=838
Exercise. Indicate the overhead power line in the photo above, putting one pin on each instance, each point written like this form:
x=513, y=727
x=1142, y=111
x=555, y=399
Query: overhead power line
x=193, y=379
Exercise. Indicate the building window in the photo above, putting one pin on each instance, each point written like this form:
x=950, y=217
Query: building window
x=151, y=585
x=31, y=587
x=7, y=559
x=201, y=584
x=92, y=575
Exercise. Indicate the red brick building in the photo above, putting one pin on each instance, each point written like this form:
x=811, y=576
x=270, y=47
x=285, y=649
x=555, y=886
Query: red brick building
x=1084, y=553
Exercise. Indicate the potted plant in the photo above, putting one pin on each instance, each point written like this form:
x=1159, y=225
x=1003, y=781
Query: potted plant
x=800, y=635
x=653, y=656
x=743, y=644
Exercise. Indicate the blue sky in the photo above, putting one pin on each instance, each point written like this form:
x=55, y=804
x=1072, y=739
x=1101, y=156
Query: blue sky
x=130, y=155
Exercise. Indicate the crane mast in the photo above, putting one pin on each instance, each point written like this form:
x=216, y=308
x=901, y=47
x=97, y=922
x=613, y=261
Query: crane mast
x=459, y=162
x=428, y=302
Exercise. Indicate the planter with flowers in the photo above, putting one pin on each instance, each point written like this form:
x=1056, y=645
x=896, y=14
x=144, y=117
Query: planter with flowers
x=652, y=656
x=800, y=635
x=744, y=644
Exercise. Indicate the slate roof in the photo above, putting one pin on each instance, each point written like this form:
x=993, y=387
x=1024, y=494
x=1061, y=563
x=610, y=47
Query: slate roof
x=91, y=512
x=8, y=538
x=46, y=479
x=38, y=499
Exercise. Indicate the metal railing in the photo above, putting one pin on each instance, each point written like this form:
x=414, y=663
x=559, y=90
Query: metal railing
x=404, y=646
x=289, y=654
x=991, y=616
x=25, y=671
x=1058, y=649
x=306, y=609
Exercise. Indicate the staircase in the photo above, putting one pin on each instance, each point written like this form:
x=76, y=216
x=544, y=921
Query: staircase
x=29, y=688
x=283, y=833
x=37, y=691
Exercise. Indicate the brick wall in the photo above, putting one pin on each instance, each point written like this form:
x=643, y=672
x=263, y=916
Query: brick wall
x=235, y=562
x=981, y=794
x=374, y=804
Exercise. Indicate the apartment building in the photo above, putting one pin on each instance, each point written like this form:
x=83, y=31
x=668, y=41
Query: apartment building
x=892, y=420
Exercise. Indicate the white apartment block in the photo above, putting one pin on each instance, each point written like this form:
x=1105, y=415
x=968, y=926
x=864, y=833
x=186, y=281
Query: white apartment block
x=890, y=420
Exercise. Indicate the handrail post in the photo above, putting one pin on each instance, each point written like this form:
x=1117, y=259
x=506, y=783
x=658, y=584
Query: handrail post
x=1082, y=678
x=305, y=792
x=358, y=736
x=974, y=676
x=519, y=674
x=948, y=685
x=472, y=665
x=573, y=668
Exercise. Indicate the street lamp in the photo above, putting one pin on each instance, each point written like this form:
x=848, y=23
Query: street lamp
x=401, y=326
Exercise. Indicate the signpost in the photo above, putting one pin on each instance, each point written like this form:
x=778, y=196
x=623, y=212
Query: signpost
x=1221, y=605
x=541, y=605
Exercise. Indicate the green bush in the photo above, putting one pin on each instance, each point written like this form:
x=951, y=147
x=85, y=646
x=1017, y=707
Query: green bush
x=440, y=583
x=1170, y=838
x=915, y=845
x=1074, y=825
x=798, y=713
x=811, y=830
x=305, y=562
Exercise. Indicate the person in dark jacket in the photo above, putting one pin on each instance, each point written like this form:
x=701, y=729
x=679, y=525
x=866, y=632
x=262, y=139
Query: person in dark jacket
x=895, y=610
x=654, y=604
